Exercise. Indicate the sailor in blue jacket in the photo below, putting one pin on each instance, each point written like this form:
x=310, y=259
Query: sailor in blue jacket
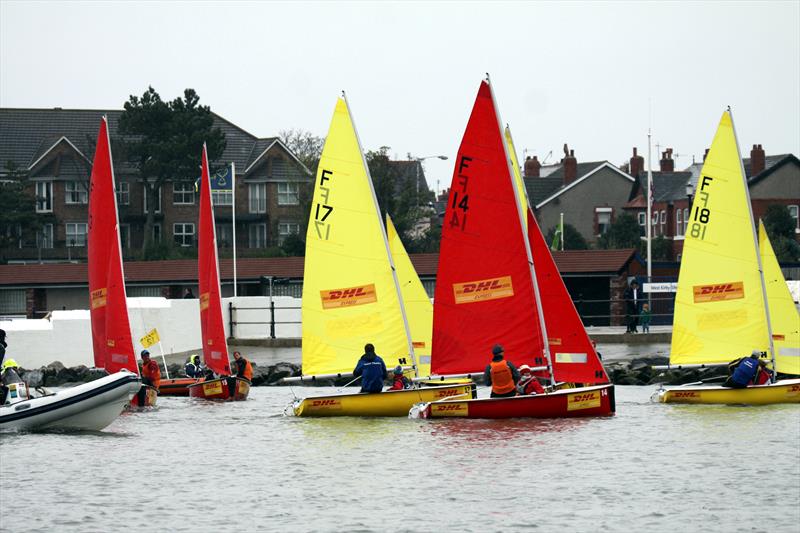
x=743, y=371
x=372, y=370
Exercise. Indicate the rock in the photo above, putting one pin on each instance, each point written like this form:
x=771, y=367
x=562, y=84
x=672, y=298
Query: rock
x=34, y=378
x=280, y=371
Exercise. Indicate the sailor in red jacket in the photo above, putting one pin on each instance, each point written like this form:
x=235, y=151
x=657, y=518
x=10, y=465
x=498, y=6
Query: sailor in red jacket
x=528, y=384
x=400, y=381
x=151, y=375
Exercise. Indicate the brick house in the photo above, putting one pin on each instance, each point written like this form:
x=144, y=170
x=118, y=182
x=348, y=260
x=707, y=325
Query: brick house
x=54, y=149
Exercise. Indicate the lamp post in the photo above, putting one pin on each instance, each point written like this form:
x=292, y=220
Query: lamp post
x=419, y=161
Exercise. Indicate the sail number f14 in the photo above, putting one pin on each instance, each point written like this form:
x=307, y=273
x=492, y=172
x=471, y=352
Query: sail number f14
x=702, y=213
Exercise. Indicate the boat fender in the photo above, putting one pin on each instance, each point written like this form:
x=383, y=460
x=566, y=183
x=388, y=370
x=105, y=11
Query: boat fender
x=22, y=407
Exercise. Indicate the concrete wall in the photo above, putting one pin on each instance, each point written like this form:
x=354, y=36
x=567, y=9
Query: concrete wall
x=66, y=336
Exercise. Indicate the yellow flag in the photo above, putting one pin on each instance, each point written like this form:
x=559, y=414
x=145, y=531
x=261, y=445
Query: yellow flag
x=150, y=339
x=522, y=194
x=783, y=315
x=349, y=294
x=719, y=305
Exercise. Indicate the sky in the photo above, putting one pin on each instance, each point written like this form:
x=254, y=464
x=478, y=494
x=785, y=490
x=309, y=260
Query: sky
x=594, y=75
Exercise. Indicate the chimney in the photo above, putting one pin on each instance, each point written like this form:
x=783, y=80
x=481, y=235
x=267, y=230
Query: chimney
x=636, y=166
x=570, y=165
x=667, y=163
x=532, y=167
x=757, y=160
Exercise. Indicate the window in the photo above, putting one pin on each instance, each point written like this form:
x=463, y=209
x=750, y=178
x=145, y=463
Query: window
x=225, y=235
x=258, y=197
x=685, y=220
x=13, y=302
x=13, y=232
x=158, y=200
x=183, y=233
x=221, y=197
x=44, y=237
x=76, y=192
x=642, y=218
x=157, y=232
x=794, y=211
x=663, y=222
x=123, y=193
x=603, y=219
x=76, y=234
x=288, y=193
x=44, y=196
x=125, y=235
x=183, y=193
x=287, y=228
x=679, y=222
x=257, y=235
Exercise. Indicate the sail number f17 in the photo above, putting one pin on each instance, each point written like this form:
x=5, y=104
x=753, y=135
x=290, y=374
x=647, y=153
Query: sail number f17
x=321, y=209
x=702, y=213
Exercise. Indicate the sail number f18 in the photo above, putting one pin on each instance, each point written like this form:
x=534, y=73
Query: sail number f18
x=702, y=213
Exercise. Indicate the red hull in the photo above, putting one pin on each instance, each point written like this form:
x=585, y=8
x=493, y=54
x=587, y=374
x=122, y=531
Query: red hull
x=587, y=401
x=176, y=387
x=218, y=389
x=150, y=399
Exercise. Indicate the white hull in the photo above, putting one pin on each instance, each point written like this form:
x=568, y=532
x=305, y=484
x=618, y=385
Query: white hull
x=91, y=406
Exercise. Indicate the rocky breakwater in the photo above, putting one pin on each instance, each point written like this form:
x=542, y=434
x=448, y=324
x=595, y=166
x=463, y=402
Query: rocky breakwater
x=640, y=371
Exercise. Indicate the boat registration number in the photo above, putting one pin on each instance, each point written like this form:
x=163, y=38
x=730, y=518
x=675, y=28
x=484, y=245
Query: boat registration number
x=212, y=388
x=583, y=400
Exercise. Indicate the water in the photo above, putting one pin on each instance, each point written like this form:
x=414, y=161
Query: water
x=243, y=466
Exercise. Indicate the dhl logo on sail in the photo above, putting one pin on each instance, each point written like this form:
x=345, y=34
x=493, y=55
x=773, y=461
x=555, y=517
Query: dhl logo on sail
x=718, y=292
x=483, y=290
x=418, y=344
x=348, y=297
x=204, y=301
x=98, y=298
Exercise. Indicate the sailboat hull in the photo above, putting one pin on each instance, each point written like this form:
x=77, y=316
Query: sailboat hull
x=785, y=391
x=176, y=387
x=567, y=403
x=389, y=403
x=150, y=397
x=227, y=388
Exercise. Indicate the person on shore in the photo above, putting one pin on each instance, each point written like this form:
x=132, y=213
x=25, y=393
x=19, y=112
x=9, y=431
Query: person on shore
x=371, y=369
x=742, y=371
x=400, y=382
x=193, y=368
x=528, y=383
x=632, y=297
x=501, y=375
x=188, y=294
x=151, y=375
x=644, y=318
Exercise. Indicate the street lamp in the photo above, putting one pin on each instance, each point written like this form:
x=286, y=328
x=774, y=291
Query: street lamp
x=419, y=161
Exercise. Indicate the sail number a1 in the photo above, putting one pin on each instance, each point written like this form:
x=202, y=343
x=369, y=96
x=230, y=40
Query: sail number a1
x=322, y=210
x=702, y=213
x=459, y=203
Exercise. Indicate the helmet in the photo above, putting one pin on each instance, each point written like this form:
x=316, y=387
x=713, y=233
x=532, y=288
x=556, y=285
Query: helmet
x=524, y=369
x=10, y=363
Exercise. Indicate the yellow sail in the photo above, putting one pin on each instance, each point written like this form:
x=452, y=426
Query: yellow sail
x=719, y=305
x=350, y=297
x=419, y=309
x=783, y=315
x=522, y=194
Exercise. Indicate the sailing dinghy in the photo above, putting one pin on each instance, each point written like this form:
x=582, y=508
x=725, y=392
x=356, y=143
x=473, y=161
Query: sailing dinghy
x=732, y=297
x=488, y=291
x=215, y=346
x=351, y=292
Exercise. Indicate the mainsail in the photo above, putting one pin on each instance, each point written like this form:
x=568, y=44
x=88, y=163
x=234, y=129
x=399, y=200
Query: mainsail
x=719, y=306
x=212, y=326
x=350, y=292
x=111, y=330
x=419, y=308
x=484, y=289
x=785, y=319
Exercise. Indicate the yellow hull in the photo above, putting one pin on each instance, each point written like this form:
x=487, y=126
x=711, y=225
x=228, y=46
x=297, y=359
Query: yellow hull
x=785, y=391
x=389, y=403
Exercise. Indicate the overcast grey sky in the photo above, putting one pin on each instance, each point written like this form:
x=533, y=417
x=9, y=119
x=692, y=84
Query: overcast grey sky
x=594, y=75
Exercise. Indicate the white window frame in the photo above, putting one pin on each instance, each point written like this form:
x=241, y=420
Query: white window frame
x=288, y=193
x=123, y=193
x=795, y=216
x=75, y=193
x=44, y=237
x=603, y=211
x=79, y=237
x=257, y=235
x=44, y=196
x=642, y=218
x=180, y=190
x=183, y=234
x=679, y=222
x=14, y=231
x=144, y=200
x=285, y=229
x=257, y=197
x=221, y=197
x=685, y=219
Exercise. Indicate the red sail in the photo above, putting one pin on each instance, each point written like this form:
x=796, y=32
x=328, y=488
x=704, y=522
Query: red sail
x=484, y=291
x=215, y=347
x=111, y=330
x=571, y=351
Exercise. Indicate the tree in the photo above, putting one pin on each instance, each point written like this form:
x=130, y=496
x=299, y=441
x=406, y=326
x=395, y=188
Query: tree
x=780, y=228
x=660, y=247
x=573, y=240
x=305, y=146
x=164, y=140
x=294, y=245
x=624, y=232
x=18, y=215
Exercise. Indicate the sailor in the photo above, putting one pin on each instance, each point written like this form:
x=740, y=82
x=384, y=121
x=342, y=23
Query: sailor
x=9, y=376
x=193, y=368
x=372, y=370
x=243, y=367
x=742, y=371
x=501, y=375
x=528, y=384
x=400, y=381
x=151, y=375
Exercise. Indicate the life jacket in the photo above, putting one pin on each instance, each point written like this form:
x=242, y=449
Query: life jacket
x=152, y=372
x=247, y=373
x=762, y=377
x=502, y=379
x=745, y=371
x=400, y=383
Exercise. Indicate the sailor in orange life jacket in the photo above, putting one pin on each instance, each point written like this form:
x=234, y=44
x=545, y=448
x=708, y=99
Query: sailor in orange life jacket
x=501, y=375
x=528, y=384
x=151, y=375
x=243, y=367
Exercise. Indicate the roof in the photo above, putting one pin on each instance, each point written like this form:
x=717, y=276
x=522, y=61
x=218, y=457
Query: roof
x=184, y=271
x=585, y=171
x=543, y=187
x=667, y=187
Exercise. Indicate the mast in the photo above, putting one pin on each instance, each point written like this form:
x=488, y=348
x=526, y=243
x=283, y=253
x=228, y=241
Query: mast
x=537, y=297
x=233, y=217
x=758, y=253
x=649, y=222
x=385, y=243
